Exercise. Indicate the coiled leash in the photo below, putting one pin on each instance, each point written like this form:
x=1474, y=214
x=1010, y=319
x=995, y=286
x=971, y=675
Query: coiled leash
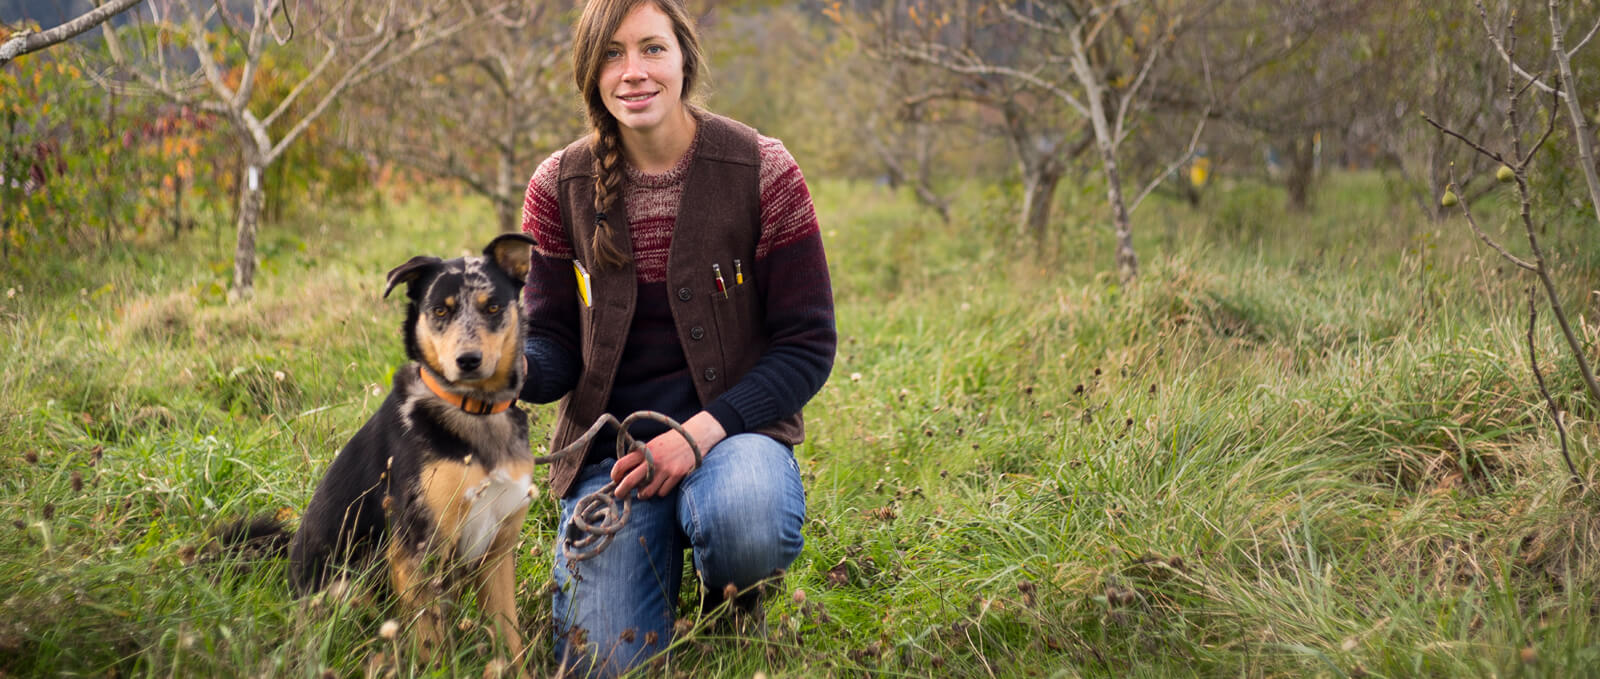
x=599, y=515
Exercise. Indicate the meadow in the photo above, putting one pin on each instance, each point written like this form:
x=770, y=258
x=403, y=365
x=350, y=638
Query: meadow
x=1299, y=445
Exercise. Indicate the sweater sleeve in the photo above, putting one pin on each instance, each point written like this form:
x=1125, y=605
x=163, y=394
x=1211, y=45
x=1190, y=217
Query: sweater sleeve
x=791, y=274
x=550, y=297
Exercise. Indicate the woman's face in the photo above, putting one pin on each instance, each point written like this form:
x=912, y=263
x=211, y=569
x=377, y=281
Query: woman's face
x=641, y=81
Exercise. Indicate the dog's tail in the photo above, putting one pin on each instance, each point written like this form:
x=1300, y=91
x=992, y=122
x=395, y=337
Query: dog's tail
x=247, y=540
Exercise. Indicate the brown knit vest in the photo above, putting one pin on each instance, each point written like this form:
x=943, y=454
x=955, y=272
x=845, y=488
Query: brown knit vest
x=719, y=220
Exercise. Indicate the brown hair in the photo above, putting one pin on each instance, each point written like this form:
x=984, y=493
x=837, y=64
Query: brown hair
x=590, y=40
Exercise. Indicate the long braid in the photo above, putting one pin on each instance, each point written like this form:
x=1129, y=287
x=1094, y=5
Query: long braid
x=607, y=189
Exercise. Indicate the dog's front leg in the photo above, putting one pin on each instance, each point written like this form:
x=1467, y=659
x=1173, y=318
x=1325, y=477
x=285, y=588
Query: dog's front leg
x=419, y=595
x=497, y=587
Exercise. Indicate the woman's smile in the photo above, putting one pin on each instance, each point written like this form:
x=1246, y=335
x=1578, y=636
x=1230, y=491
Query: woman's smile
x=637, y=101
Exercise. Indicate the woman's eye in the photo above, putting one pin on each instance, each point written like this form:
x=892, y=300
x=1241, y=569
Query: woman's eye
x=655, y=49
x=613, y=53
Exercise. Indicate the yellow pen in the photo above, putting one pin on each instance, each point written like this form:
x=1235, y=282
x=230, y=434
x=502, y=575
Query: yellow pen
x=738, y=273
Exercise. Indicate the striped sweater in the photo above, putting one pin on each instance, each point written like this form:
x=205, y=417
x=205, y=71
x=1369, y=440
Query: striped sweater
x=790, y=272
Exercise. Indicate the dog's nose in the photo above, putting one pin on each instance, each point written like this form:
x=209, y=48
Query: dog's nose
x=470, y=361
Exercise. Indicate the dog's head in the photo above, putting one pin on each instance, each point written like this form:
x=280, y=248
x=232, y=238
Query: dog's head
x=464, y=320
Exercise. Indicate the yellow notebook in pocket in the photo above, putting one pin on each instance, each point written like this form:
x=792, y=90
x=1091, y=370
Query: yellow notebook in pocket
x=583, y=283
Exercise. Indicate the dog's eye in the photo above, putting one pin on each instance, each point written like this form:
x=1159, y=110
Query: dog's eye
x=441, y=311
x=492, y=308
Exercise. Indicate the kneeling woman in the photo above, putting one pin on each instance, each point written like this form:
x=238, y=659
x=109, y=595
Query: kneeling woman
x=680, y=269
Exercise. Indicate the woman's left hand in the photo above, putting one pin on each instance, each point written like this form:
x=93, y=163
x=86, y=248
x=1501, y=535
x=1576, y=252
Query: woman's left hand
x=672, y=455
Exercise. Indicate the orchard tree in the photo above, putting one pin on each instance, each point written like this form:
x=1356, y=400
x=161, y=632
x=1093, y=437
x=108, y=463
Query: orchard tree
x=845, y=113
x=1453, y=70
x=483, y=112
x=1518, y=156
x=1287, y=77
x=214, y=56
x=1096, y=59
x=905, y=122
x=905, y=89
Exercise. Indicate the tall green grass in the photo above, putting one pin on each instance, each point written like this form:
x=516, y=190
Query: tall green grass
x=1300, y=445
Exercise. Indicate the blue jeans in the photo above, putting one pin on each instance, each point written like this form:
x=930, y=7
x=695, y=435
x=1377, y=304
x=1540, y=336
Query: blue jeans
x=741, y=514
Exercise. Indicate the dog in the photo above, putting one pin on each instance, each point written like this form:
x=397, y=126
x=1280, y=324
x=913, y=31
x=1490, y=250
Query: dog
x=437, y=483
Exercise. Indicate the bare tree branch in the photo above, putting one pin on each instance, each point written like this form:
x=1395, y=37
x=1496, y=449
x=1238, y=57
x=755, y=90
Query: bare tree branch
x=1132, y=91
x=300, y=87
x=1188, y=154
x=258, y=21
x=1505, y=53
x=1585, y=40
x=1538, y=376
x=1475, y=145
x=966, y=67
x=288, y=17
x=1011, y=13
x=1550, y=126
x=28, y=41
x=1580, y=125
x=156, y=85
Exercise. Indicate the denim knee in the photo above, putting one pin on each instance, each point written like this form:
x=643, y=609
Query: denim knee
x=743, y=511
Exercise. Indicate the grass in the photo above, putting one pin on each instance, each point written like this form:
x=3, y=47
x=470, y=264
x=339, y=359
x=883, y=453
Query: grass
x=1300, y=445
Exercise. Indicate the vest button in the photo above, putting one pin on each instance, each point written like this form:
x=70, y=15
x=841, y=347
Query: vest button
x=711, y=374
x=697, y=333
x=683, y=294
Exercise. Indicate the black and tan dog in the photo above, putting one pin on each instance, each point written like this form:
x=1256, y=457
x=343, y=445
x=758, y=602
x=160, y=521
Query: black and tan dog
x=438, y=482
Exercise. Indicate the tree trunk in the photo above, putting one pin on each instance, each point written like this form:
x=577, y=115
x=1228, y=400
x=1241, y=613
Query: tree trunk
x=8, y=159
x=1039, y=181
x=1039, y=158
x=506, y=206
x=1106, y=139
x=1302, y=171
x=251, y=198
x=1127, y=259
x=177, y=203
x=924, y=181
x=508, y=213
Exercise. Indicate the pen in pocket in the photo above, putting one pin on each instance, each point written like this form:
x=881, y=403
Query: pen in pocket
x=738, y=273
x=722, y=286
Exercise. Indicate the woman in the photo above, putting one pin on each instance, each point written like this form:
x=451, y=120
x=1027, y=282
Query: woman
x=680, y=269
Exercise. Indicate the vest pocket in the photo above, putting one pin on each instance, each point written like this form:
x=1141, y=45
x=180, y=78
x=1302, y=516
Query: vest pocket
x=732, y=317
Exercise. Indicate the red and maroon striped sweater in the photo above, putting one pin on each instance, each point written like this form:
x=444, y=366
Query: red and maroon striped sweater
x=790, y=272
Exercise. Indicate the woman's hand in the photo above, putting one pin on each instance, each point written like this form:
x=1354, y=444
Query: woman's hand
x=673, y=458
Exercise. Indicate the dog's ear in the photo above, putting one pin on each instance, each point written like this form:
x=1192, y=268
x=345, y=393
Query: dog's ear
x=513, y=253
x=410, y=271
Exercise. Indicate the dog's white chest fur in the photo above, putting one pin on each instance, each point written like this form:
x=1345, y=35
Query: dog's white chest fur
x=489, y=503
